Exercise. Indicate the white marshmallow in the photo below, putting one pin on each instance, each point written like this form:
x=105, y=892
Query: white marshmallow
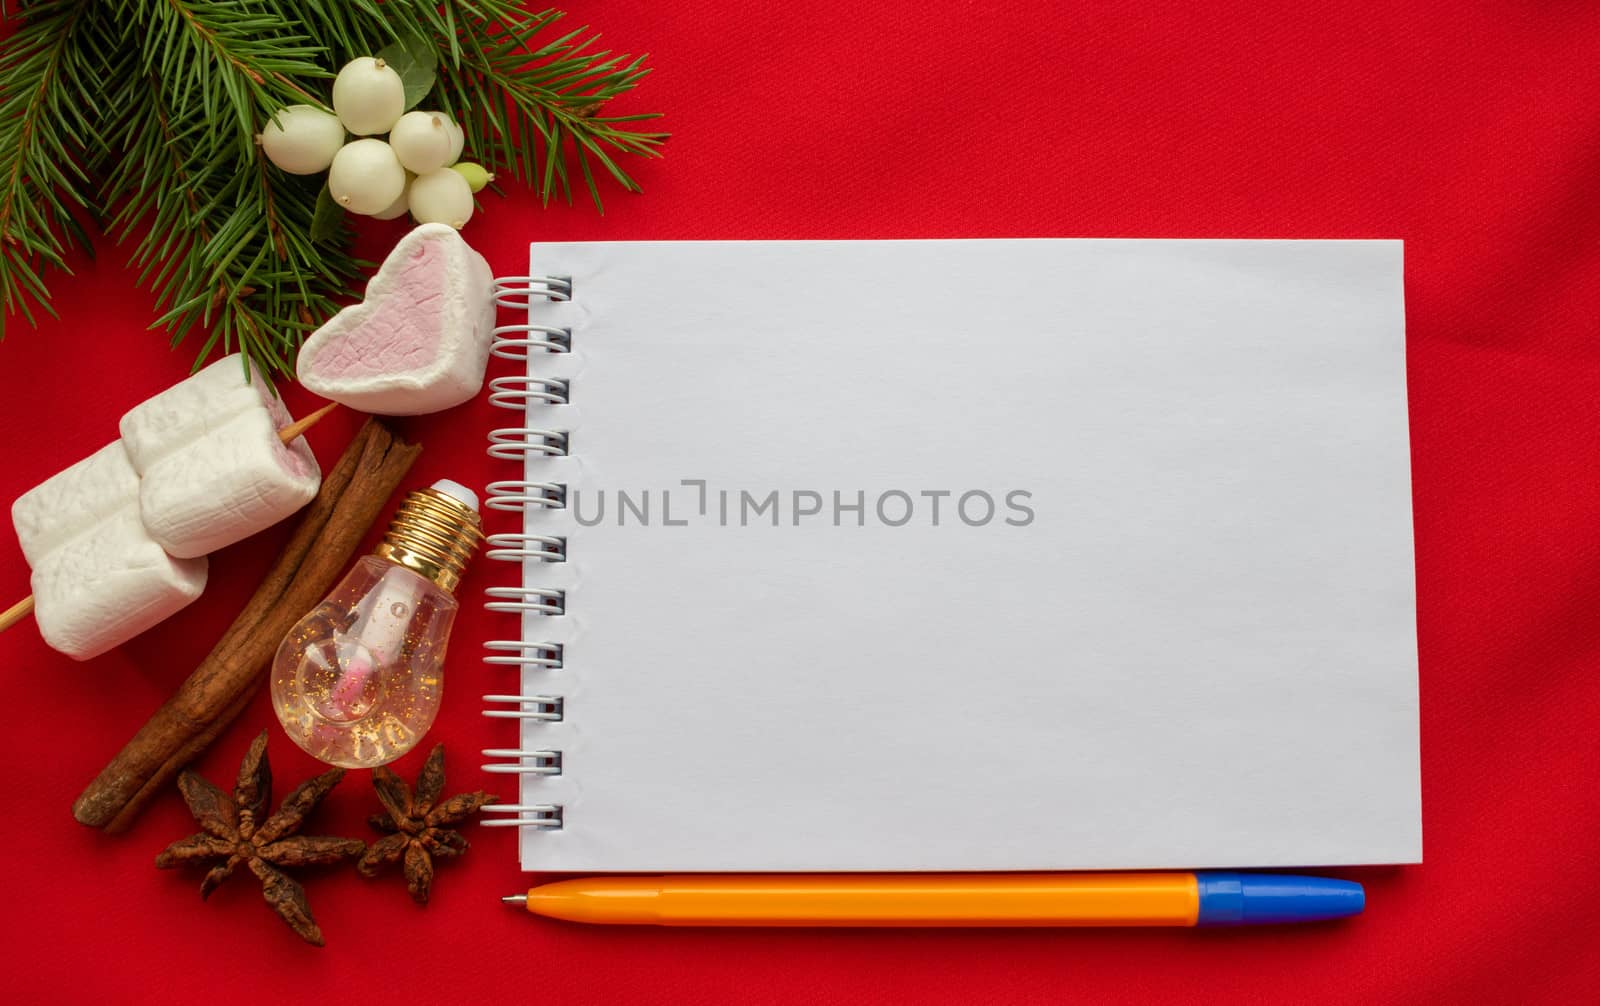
x=212, y=470
x=107, y=585
x=419, y=342
x=73, y=500
x=193, y=407
x=99, y=579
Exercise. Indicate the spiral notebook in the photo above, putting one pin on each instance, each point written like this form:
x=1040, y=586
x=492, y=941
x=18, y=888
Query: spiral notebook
x=956, y=555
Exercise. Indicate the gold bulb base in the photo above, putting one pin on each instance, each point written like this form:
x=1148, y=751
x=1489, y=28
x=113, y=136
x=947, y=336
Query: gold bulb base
x=434, y=535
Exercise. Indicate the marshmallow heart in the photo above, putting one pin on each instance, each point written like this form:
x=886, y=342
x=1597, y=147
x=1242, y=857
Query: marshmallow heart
x=419, y=342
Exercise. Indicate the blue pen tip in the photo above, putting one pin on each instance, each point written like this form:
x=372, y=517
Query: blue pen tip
x=1242, y=899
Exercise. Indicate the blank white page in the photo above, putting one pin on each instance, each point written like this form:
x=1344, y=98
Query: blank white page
x=1180, y=633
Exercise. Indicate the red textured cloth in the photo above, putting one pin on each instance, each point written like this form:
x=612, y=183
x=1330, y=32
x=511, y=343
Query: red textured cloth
x=1471, y=130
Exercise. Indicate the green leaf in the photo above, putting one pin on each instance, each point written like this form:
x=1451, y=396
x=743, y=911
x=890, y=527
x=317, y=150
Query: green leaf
x=325, y=220
x=415, y=60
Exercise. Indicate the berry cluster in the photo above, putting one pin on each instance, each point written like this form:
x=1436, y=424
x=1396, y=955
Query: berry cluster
x=417, y=169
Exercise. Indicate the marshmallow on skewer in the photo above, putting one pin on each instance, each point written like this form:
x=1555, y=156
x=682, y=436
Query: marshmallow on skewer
x=420, y=340
x=72, y=500
x=212, y=468
x=99, y=579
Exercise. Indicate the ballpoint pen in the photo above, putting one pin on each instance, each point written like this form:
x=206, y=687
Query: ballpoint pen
x=935, y=899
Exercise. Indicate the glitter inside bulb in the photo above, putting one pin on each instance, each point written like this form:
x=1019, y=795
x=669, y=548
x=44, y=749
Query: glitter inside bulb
x=358, y=681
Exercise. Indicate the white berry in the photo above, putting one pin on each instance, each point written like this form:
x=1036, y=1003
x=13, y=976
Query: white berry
x=302, y=139
x=368, y=96
x=441, y=197
x=401, y=204
x=422, y=141
x=366, y=177
x=458, y=139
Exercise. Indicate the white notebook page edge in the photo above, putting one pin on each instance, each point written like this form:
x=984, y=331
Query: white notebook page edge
x=741, y=780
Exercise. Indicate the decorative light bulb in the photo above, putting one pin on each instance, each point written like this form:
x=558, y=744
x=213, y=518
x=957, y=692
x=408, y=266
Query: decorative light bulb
x=357, y=682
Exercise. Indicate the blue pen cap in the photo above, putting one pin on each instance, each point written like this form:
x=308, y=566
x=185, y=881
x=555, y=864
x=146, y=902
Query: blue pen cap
x=1243, y=899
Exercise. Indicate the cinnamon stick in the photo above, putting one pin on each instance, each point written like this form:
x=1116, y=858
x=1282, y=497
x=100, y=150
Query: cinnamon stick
x=353, y=493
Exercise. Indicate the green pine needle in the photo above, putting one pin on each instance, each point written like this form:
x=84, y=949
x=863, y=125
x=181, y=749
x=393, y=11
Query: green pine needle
x=139, y=117
x=46, y=148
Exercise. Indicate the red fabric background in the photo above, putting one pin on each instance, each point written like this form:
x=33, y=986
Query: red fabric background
x=1471, y=130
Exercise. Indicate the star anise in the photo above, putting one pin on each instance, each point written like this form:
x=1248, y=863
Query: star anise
x=238, y=830
x=417, y=824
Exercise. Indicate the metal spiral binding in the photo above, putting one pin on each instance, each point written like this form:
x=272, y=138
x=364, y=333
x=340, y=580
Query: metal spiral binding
x=517, y=496
x=528, y=815
x=550, y=708
x=527, y=763
x=516, y=391
x=525, y=343
x=546, y=655
x=517, y=546
x=518, y=443
x=542, y=600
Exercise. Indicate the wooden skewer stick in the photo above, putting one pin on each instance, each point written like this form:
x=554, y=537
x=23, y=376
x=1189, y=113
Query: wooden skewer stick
x=23, y=608
x=304, y=423
x=16, y=613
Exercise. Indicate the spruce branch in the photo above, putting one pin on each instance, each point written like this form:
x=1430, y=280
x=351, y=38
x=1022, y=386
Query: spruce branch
x=140, y=116
x=213, y=228
x=529, y=108
x=44, y=139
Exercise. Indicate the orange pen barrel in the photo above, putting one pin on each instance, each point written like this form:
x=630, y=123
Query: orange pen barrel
x=991, y=899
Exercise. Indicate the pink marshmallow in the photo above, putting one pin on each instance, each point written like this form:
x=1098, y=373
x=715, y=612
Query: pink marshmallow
x=419, y=342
